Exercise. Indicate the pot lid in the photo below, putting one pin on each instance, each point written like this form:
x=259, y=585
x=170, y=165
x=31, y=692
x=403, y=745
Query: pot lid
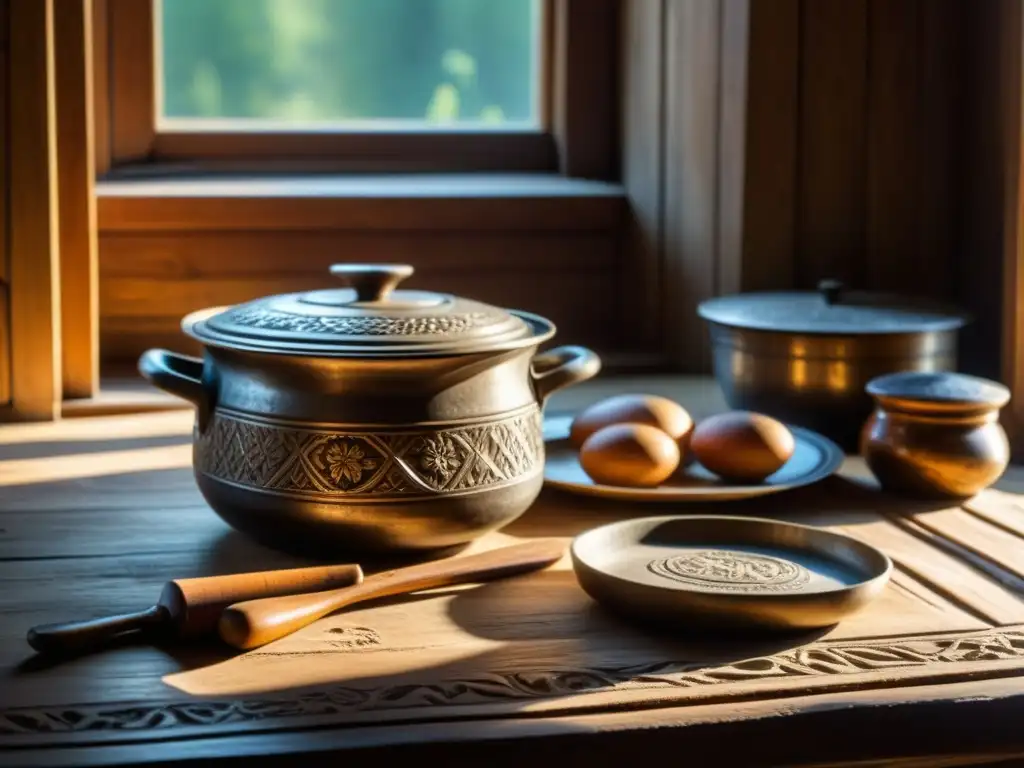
x=368, y=318
x=939, y=388
x=831, y=310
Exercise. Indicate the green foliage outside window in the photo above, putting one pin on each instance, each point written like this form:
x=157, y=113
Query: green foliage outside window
x=309, y=61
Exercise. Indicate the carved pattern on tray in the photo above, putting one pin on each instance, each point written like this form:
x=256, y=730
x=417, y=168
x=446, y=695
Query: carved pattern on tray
x=361, y=325
x=291, y=460
x=816, y=660
x=717, y=570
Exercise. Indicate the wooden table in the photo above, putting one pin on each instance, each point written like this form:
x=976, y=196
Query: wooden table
x=95, y=514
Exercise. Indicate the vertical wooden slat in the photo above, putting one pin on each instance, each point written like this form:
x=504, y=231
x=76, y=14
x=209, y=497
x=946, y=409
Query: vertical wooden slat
x=1009, y=137
x=893, y=148
x=5, y=347
x=133, y=113
x=5, y=317
x=79, y=278
x=832, y=177
x=939, y=137
x=758, y=148
x=732, y=143
x=692, y=44
x=988, y=175
x=34, y=265
x=4, y=148
x=585, y=51
x=643, y=166
x=101, y=85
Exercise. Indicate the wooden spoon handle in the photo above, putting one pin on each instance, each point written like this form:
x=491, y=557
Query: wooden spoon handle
x=258, y=622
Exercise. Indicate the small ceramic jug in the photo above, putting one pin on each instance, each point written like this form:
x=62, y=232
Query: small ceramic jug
x=935, y=435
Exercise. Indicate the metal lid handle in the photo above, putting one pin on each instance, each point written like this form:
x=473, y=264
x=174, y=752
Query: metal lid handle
x=831, y=291
x=372, y=282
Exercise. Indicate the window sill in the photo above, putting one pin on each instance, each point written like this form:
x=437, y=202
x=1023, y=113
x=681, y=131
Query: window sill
x=421, y=202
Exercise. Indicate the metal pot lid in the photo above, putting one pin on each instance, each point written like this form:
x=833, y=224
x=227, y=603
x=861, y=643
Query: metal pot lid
x=831, y=310
x=940, y=388
x=369, y=318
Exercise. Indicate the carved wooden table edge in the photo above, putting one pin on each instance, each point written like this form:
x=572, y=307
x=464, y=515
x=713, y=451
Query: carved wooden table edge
x=844, y=730
x=821, y=667
x=882, y=693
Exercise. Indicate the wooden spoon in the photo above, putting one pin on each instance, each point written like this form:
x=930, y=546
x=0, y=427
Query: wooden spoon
x=189, y=607
x=258, y=622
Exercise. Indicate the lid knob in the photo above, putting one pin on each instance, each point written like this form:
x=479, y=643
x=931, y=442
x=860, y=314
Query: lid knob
x=830, y=290
x=372, y=282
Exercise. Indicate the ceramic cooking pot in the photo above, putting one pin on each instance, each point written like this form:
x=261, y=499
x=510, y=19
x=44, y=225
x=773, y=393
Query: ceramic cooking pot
x=805, y=357
x=936, y=435
x=368, y=418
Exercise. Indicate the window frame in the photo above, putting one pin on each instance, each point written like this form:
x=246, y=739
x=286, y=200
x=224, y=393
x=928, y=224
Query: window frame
x=578, y=102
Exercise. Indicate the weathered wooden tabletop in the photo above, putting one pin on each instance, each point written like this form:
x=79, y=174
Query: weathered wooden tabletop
x=95, y=514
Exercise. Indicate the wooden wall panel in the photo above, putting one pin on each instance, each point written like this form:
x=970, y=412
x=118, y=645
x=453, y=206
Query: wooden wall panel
x=148, y=282
x=692, y=43
x=5, y=346
x=643, y=168
x=759, y=216
x=584, y=125
x=853, y=111
x=76, y=174
x=832, y=182
x=5, y=318
x=33, y=241
x=988, y=157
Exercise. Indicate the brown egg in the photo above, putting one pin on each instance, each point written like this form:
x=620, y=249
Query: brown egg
x=741, y=446
x=634, y=455
x=667, y=415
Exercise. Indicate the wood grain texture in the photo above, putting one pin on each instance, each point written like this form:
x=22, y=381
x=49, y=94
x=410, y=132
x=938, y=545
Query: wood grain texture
x=4, y=147
x=101, y=85
x=941, y=168
x=643, y=167
x=5, y=317
x=5, y=345
x=833, y=101
x=377, y=152
x=761, y=116
x=34, y=230
x=79, y=273
x=148, y=282
x=463, y=202
x=585, y=87
x=529, y=659
x=690, y=272
x=131, y=88
x=989, y=279
x=1011, y=204
x=893, y=160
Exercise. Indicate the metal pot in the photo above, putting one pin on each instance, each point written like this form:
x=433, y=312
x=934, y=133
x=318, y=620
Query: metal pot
x=806, y=357
x=368, y=418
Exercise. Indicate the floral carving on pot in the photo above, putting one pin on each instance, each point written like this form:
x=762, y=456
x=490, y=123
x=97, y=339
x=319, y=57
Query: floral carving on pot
x=439, y=457
x=346, y=461
x=290, y=459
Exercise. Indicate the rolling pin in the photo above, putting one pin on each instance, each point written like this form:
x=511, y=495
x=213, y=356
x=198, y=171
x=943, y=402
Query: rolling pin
x=189, y=607
x=257, y=622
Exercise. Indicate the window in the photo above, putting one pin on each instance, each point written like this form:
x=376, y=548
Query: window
x=249, y=65
x=357, y=85
x=475, y=139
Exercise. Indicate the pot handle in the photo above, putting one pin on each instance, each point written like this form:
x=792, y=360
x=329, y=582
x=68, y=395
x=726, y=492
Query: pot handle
x=560, y=367
x=179, y=375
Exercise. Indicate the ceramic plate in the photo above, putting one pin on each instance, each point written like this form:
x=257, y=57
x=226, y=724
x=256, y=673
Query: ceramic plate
x=815, y=458
x=728, y=571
